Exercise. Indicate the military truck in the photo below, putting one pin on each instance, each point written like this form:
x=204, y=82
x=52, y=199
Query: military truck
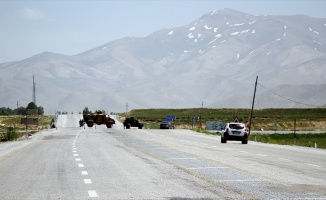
x=97, y=118
x=132, y=122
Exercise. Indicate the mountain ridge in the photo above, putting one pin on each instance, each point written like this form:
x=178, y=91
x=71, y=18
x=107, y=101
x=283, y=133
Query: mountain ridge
x=214, y=59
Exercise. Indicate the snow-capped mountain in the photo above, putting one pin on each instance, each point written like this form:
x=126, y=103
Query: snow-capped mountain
x=212, y=61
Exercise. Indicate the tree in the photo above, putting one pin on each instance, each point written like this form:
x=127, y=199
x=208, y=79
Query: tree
x=31, y=105
x=86, y=111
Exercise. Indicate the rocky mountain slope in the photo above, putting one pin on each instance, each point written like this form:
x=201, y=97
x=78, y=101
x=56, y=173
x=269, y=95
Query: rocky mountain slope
x=211, y=62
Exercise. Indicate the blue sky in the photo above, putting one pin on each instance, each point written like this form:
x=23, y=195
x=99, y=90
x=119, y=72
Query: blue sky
x=71, y=27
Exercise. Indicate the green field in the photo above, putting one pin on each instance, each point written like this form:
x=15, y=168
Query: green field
x=268, y=119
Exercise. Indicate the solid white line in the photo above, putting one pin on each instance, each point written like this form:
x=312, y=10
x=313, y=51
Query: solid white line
x=84, y=173
x=92, y=193
x=207, y=167
x=87, y=181
x=238, y=180
x=80, y=165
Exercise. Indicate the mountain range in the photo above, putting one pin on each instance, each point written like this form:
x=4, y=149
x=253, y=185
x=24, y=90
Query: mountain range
x=211, y=62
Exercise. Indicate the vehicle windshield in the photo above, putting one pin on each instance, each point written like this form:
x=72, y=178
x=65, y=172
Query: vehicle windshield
x=236, y=126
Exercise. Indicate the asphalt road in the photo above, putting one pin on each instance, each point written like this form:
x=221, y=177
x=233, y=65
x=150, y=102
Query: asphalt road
x=99, y=163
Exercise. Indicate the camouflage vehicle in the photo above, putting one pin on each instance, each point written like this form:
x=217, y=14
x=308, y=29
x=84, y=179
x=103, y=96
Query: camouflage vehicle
x=132, y=122
x=97, y=118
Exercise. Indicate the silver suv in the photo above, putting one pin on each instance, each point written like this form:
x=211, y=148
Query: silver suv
x=235, y=131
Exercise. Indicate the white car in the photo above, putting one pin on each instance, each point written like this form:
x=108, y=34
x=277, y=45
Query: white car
x=235, y=131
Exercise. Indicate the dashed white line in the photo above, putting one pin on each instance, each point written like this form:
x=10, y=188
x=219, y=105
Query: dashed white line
x=182, y=158
x=77, y=159
x=243, y=151
x=258, y=154
x=75, y=154
x=81, y=165
x=92, y=193
x=84, y=173
x=313, y=165
x=285, y=159
x=87, y=181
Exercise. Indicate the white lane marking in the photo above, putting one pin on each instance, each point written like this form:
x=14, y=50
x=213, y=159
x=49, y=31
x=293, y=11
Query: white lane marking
x=205, y=144
x=182, y=158
x=74, y=151
x=87, y=181
x=75, y=154
x=243, y=151
x=92, y=193
x=313, y=165
x=216, y=146
x=285, y=159
x=206, y=167
x=253, y=180
x=74, y=148
x=81, y=165
x=227, y=149
x=77, y=159
x=258, y=154
x=84, y=173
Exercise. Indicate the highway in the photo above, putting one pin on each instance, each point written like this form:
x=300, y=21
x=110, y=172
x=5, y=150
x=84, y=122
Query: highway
x=70, y=162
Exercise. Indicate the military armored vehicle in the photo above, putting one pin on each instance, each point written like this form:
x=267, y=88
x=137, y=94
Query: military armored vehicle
x=97, y=118
x=132, y=122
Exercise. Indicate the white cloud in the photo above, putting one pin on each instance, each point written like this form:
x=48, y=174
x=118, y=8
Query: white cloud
x=34, y=14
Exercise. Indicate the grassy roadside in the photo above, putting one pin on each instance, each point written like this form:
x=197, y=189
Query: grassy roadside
x=12, y=129
x=268, y=119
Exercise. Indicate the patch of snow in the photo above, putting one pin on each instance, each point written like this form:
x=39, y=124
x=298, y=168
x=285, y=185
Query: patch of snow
x=251, y=23
x=213, y=41
x=238, y=56
x=253, y=31
x=235, y=33
x=317, y=42
x=218, y=35
x=195, y=40
x=284, y=34
x=239, y=24
x=192, y=28
x=324, y=24
x=222, y=41
x=207, y=27
x=251, y=52
x=268, y=53
x=284, y=27
x=171, y=32
x=190, y=35
x=104, y=48
x=278, y=39
x=227, y=23
x=215, y=30
x=199, y=35
x=185, y=51
x=201, y=51
x=310, y=29
x=316, y=32
x=214, y=12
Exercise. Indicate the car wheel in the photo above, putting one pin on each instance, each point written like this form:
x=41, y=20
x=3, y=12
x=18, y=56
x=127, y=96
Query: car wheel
x=244, y=141
x=223, y=140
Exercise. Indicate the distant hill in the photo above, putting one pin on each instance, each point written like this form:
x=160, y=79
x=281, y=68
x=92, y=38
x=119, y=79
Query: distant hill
x=211, y=62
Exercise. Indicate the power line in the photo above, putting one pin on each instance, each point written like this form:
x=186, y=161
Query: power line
x=306, y=104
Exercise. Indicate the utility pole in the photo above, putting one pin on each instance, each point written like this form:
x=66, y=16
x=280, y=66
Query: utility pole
x=127, y=107
x=253, y=103
x=34, y=91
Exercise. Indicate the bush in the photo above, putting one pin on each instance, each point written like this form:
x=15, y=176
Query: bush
x=11, y=134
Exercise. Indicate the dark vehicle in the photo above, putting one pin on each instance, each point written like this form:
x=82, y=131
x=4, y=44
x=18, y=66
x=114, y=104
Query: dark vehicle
x=97, y=118
x=166, y=125
x=132, y=122
x=235, y=131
